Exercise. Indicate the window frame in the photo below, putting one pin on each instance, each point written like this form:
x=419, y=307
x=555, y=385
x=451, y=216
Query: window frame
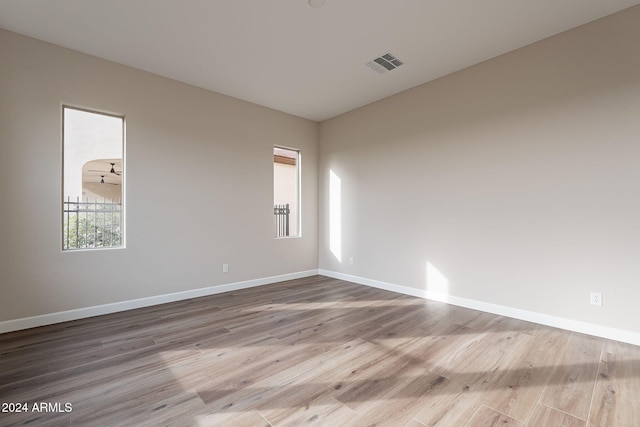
x=123, y=240
x=298, y=178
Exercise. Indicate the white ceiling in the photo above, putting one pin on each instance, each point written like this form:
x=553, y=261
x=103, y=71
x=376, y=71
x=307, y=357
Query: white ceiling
x=288, y=56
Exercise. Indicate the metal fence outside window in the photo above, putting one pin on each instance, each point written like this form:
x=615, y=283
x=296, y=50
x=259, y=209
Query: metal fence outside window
x=92, y=224
x=281, y=219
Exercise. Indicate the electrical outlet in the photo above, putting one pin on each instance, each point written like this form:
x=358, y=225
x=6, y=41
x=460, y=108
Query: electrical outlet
x=596, y=298
x=351, y=261
x=225, y=268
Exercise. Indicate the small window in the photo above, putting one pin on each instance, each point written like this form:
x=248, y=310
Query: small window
x=93, y=180
x=286, y=192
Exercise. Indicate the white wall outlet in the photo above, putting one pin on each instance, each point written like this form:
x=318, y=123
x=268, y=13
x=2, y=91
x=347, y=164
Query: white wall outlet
x=350, y=260
x=596, y=298
x=225, y=268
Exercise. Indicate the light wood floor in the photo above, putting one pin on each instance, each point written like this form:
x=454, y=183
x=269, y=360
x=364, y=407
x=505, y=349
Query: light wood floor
x=316, y=351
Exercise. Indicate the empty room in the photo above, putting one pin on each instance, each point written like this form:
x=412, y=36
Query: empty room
x=323, y=212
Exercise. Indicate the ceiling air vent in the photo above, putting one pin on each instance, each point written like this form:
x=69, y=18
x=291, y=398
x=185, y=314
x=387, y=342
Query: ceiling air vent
x=384, y=63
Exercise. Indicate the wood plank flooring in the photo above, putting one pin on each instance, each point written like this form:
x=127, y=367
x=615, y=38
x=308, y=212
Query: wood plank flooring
x=314, y=351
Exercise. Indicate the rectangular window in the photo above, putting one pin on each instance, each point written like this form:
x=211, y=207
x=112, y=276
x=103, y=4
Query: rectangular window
x=286, y=192
x=93, y=180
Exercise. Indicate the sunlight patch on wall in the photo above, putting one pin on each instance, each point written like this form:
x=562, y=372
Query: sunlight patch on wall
x=436, y=281
x=335, y=216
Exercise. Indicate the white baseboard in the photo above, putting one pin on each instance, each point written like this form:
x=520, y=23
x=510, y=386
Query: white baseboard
x=516, y=313
x=97, y=310
x=530, y=316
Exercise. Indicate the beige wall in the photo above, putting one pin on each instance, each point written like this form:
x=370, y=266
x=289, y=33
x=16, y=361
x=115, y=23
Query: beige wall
x=199, y=185
x=514, y=182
